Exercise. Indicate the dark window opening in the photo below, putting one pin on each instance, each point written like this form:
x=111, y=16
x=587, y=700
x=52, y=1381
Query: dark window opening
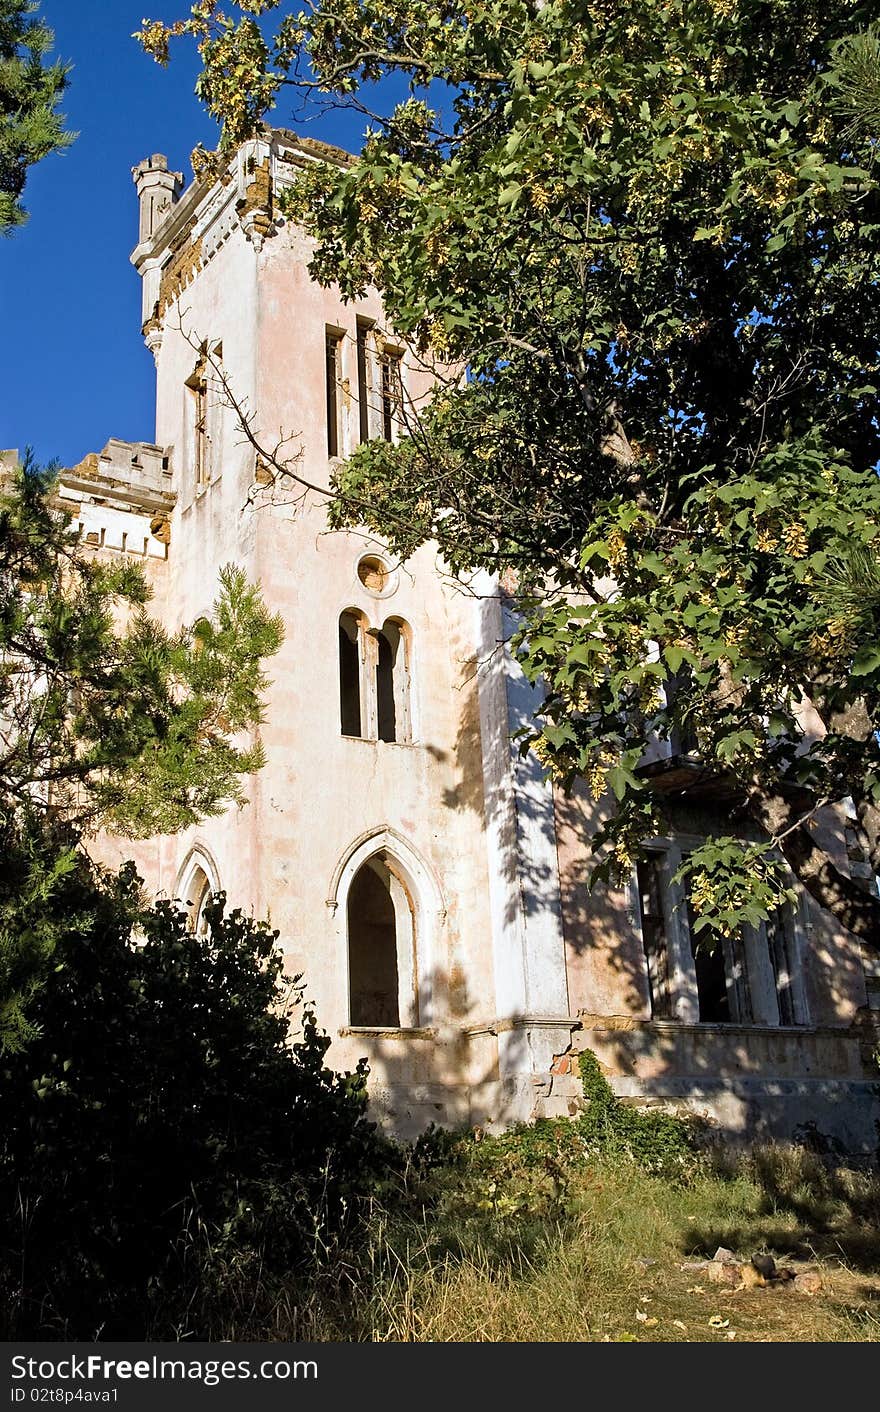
x=333, y=348
x=350, y=675
x=363, y=329
x=372, y=952
x=711, y=974
x=655, y=940
x=386, y=714
x=711, y=982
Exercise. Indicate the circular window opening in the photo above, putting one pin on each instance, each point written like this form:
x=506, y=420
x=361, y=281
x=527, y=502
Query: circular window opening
x=375, y=575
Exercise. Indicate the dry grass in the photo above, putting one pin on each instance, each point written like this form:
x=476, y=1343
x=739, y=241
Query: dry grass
x=553, y=1249
x=618, y=1257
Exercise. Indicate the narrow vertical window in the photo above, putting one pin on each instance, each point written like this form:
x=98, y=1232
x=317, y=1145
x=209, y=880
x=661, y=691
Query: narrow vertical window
x=391, y=393
x=386, y=715
x=350, y=675
x=201, y=433
x=649, y=878
x=392, y=682
x=333, y=351
x=363, y=377
x=198, y=387
x=200, y=895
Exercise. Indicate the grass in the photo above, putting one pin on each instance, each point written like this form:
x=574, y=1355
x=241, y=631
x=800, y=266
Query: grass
x=574, y=1231
x=537, y=1237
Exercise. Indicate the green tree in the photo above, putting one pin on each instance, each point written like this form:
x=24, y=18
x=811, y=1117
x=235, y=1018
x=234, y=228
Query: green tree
x=106, y=720
x=164, y=1149
x=650, y=232
x=30, y=91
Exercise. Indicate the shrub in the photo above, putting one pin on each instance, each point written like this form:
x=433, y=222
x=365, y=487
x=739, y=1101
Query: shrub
x=161, y=1127
x=657, y=1142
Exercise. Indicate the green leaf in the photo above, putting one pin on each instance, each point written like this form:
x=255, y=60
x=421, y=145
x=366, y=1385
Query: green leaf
x=866, y=660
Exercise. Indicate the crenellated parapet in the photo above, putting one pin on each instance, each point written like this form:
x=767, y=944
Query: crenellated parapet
x=121, y=499
x=181, y=232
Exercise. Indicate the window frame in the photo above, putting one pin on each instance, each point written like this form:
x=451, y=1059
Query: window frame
x=751, y=977
x=334, y=339
x=380, y=383
x=368, y=644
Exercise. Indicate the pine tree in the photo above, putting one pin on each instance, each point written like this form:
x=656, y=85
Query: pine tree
x=106, y=720
x=30, y=90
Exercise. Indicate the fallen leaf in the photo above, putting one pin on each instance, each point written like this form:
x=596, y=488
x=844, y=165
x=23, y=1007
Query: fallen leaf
x=716, y=1322
x=696, y=1289
x=641, y=1316
x=677, y=1324
x=732, y=1334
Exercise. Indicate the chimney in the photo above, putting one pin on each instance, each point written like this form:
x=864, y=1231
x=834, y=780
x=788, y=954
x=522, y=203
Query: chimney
x=157, y=190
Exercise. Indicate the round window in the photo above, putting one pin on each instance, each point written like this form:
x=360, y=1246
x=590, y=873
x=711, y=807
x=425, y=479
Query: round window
x=375, y=575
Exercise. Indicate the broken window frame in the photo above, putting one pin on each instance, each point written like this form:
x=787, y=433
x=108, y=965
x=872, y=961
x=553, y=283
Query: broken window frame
x=391, y=378
x=759, y=991
x=379, y=384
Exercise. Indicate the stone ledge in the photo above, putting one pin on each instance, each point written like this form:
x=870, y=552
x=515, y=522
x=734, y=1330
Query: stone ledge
x=632, y=1024
x=395, y=1032
x=523, y=1022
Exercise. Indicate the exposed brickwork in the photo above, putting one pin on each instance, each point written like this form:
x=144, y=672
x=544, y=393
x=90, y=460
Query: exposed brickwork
x=184, y=264
x=257, y=201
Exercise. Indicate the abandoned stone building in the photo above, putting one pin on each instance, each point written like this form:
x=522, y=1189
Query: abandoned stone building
x=424, y=879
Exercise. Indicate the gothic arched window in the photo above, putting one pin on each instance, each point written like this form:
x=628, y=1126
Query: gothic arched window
x=374, y=679
x=382, y=984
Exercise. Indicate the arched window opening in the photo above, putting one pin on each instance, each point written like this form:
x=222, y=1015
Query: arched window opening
x=381, y=949
x=198, y=895
x=197, y=883
x=350, y=674
x=386, y=715
x=374, y=679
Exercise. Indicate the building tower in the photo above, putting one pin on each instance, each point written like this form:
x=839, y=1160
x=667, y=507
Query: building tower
x=423, y=878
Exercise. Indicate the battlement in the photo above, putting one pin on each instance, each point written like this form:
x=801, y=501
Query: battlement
x=180, y=231
x=134, y=475
x=117, y=499
x=121, y=498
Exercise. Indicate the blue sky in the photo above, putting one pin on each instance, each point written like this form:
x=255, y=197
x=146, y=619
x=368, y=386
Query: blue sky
x=73, y=367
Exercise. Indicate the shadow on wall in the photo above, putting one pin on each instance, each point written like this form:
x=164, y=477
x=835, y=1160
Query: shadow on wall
x=506, y=792
x=752, y=1076
x=445, y=1074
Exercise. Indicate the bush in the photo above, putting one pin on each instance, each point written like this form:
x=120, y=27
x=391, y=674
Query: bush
x=657, y=1142
x=161, y=1128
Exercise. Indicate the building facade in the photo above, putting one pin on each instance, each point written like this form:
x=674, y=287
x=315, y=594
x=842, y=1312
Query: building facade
x=425, y=881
